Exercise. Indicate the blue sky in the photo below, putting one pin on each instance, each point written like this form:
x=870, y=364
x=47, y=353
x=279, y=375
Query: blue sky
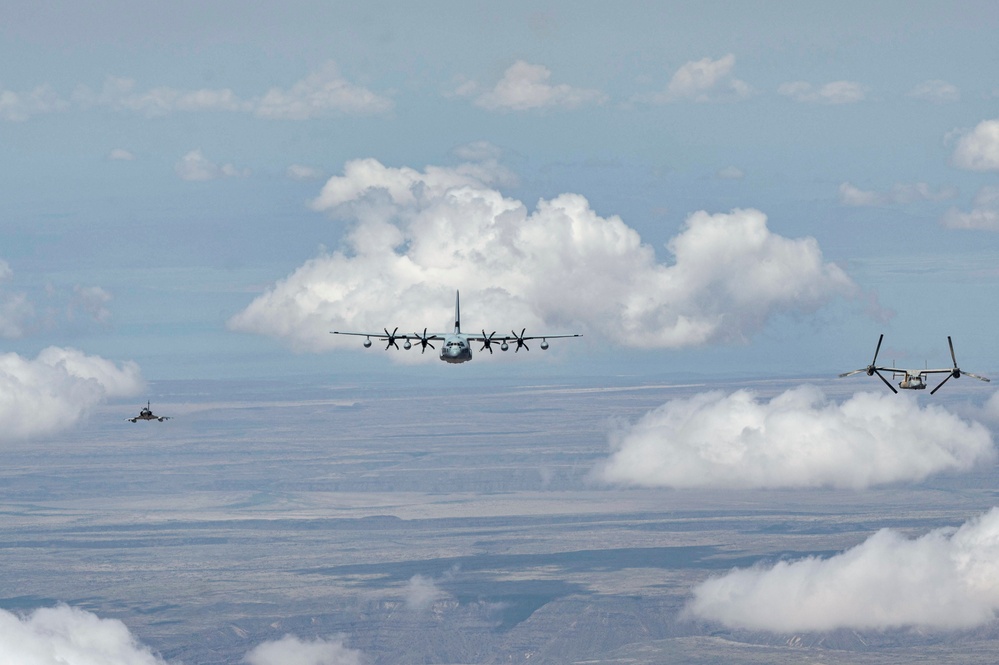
x=163, y=167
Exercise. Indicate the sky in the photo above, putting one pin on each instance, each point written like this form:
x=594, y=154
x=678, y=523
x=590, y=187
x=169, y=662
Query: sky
x=202, y=191
x=207, y=190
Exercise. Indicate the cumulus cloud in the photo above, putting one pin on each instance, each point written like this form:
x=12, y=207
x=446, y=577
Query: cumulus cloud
x=61, y=635
x=947, y=579
x=704, y=80
x=984, y=215
x=16, y=312
x=978, y=150
x=59, y=381
x=418, y=236
x=120, y=94
x=322, y=92
x=525, y=86
x=797, y=439
x=301, y=172
x=900, y=194
x=421, y=592
x=121, y=155
x=836, y=92
x=195, y=166
x=19, y=316
x=20, y=106
x=937, y=91
x=291, y=650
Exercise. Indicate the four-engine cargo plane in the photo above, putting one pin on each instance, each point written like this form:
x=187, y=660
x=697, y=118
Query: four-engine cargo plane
x=913, y=379
x=455, y=346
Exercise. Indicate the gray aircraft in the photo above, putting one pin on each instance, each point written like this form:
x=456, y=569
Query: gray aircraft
x=147, y=414
x=455, y=346
x=913, y=379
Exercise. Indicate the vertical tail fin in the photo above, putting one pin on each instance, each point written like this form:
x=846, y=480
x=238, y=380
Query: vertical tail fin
x=457, y=315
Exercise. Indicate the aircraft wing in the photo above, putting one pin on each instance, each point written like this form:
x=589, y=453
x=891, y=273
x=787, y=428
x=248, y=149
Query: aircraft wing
x=385, y=336
x=513, y=338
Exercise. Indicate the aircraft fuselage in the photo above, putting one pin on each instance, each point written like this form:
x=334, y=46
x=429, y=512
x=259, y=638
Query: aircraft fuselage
x=456, y=349
x=912, y=381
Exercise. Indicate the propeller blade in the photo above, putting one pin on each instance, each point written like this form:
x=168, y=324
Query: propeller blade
x=424, y=342
x=856, y=371
x=877, y=350
x=487, y=341
x=975, y=376
x=520, y=340
x=940, y=385
x=887, y=382
x=952, y=356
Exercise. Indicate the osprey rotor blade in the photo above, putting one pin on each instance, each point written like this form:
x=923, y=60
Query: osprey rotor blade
x=887, y=382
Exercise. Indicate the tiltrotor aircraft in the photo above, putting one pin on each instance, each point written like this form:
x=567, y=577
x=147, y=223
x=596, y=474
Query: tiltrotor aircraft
x=455, y=347
x=147, y=414
x=913, y=379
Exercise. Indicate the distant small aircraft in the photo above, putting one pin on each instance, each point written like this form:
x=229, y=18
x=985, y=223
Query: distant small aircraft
x=455, y=347
x=913, y=379
x=147, y=414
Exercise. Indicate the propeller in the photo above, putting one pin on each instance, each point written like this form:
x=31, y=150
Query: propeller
x=487, y=341
x=956, y=372
x=520, y=340
x=424, y=341
x=390, y=337
x=872, y=369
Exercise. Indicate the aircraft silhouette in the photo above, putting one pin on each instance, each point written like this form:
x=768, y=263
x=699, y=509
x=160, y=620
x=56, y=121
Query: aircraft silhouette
x=913, y=379
x=455, y=347
x=147, y=414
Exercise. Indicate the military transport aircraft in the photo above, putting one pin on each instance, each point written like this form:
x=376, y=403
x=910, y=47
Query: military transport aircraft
x=913, y=379
x=147, y=414
x=455, y=346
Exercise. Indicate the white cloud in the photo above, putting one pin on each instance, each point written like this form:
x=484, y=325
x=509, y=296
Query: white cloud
x=19, y=316
x=937, y=91
x=730, y=173
x=56, y=390
x=421, y=592
x=836, y=92
x=984, y=216
x=900, y=194
x=947, y=579
x=525, y=86
x=119, y=94
x=20, y=106
x=92, y=301
x=978, y=150
x=120, y=154
x=418, y=236
x=196, y=167
x=319, y=94
x=301, y=172
x=69, y=636
x=322, y=92
x=291, y=650
x=707, y=80
x=16, y=312
x=797, y=439
x=704, y=80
